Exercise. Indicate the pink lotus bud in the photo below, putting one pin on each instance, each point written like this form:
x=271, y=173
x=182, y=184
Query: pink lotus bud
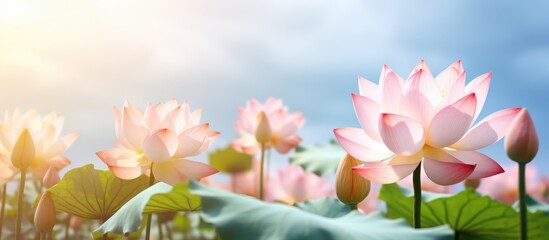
x=263, y=130
x=51, y=177
x=44, y=217
x=350, y=187
x=521, y=141
x=23, y=151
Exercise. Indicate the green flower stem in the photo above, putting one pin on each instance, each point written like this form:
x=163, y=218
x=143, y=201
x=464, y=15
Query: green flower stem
x=522, y=201
x=20, y=202
x=67, y=226
x=353, y=206
x=149, y=216
x=261, y=193
x=3, y=207
x=417, y=196
x=160, y=232
x=233, y=182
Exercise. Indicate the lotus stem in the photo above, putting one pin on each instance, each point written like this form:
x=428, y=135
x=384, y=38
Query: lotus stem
x=20, y=202
x=149, y=216
x=106, y=236
x=417, y=196
x=522, y=201
x=160, y=232
x=67, y=227
x=262, y=163
x=353, y=206
x=233, y=182
x=2, y=210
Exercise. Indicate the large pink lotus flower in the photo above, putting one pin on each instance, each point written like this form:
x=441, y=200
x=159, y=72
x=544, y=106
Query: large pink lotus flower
x=283, y=126
x=293, y=185
x=424, y=119
x=48, y=145
x=504, y=187
x=163, y=136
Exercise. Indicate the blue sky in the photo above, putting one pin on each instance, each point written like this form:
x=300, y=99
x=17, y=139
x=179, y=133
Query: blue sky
x=81, y=59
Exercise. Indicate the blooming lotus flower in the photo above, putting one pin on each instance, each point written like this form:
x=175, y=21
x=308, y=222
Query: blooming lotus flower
x=45, y=133
x=427, y=120
x=163, y=136
x=292, y=185
x=282, y=131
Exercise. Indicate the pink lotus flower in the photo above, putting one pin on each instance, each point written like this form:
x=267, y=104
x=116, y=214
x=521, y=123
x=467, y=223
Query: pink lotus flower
x=424, y=119
x=246, y=183
x=371, y=202
x=283, y=126
x=45, y=131
x=292, y=185
x=163, y=136
x=504, y=187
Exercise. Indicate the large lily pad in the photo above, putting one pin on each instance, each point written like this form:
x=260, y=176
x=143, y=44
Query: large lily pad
x=319, y=159
x=94, y=194
x=470, y=215
x=242, y=217
x=159, y=198
x=228, y=160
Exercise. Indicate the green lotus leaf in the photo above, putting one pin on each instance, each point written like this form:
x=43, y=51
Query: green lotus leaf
x=470, y=215
x=319, y=159
x=242, y=217
x=159, y=198
x=326, y=207
x=534, y=205
x=228, y=160
x=94, y=194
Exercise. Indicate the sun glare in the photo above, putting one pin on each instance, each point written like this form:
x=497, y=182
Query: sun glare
x=13, y=10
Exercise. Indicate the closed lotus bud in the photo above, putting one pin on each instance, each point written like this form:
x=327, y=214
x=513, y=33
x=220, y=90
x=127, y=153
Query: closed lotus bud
x=44, y=217
x=263, y=130
x=350, y=187
x=51, y=177
x=472, y=183
x=521, y=141
x=22, y=154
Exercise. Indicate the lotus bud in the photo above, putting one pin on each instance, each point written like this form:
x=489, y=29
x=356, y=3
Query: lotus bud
x=263, y=130
x=51, y=177
x=44, y=217
x=75, y=222
x=350, y=187
x=472, y=183
x=521, y=141
x=22, y=154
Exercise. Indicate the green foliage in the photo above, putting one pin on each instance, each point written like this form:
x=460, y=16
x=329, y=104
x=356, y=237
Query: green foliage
x=242, y=217
x=94, y=194
x=319, y=159
x=228, y=160
x=534, y=205
x=326, y=207
x=470, y=215
x=159, y=198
